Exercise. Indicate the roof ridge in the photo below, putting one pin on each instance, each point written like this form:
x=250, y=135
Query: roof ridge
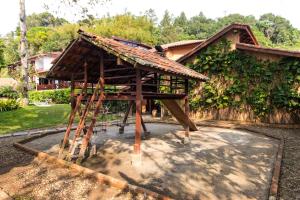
x=216, y=36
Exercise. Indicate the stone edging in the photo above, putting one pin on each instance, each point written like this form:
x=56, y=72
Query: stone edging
x=101, y=178
x=35, y=132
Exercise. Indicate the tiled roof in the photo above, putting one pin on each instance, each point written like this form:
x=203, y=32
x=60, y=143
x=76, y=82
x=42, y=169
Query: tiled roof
x=180, y=43
x=142, y=57
x=274, y=51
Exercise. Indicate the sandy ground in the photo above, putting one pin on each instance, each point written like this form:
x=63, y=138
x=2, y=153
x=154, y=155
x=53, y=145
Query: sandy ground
x=217, y=164
x=24, y=178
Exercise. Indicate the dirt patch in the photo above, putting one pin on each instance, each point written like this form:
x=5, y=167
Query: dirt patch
x=22, y=177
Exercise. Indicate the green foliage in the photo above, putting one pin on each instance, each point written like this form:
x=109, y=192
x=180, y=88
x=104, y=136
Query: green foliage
x=278, y=29
x=8, y=104
x=11, y=50
x=44, y=19
x=8, y=92
x=239, y=80
x=47, y=33
x=61, y=96
x=2, y=47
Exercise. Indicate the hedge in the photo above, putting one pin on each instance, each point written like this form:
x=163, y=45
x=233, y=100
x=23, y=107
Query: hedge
x=59, y=96
x=8, y=104
x=8, y=92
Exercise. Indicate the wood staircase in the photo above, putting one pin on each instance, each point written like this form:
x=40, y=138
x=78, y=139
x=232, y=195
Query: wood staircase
x=91, y=110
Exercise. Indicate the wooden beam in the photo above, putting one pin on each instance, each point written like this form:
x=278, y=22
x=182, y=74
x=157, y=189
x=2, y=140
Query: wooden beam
x=186, y=106
x=120, y=77
x=118, y=69
x=138, y=113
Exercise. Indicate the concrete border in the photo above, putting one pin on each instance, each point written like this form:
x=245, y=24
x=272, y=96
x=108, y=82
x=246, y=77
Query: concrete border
x=35, y=132
x=101, y=178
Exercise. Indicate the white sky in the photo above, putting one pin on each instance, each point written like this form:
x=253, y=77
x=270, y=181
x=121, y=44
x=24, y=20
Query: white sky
x=9, y=9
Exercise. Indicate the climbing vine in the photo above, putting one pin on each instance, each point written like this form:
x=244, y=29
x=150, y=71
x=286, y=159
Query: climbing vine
x=238, y=80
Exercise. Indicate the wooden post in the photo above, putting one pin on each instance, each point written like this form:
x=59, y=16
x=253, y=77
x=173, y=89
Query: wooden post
x=121, y=129
x=186, y=106
x=144, y=126
x=73, y=99
x=138, y=113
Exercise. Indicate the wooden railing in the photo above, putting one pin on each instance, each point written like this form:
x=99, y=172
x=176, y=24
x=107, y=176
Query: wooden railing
x=52, y=86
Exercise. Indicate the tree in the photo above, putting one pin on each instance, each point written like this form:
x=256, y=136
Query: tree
x=2, y=47
x=44, y=19
x=181, y=21
x=23, y=52
x=235, y=18
x=278, y=29
x=200, y=27
x=138, y=28
x=150, y=14
x=167, y=30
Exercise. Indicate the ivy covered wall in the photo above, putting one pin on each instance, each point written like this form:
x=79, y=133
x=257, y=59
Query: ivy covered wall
x=240, y=81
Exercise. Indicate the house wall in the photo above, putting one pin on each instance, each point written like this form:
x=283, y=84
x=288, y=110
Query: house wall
x=43, y=63
x=232, y=36
x=174, y=53
x=279, y=116
x=264, y=56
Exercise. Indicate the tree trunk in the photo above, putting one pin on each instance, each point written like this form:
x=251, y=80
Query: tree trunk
x=23, y=52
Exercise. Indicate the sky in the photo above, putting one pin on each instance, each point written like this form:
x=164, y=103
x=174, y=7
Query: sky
x=9, y=9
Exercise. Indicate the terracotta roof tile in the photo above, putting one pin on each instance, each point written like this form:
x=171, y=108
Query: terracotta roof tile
x=141, y=56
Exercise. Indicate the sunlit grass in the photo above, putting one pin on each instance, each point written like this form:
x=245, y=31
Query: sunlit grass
x=31, y=117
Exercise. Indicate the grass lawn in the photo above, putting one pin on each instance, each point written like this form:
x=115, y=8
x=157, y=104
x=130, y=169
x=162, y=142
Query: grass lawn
x=33, y=117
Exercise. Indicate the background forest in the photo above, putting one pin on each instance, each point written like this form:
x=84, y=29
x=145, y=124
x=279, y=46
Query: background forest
x=48, y=33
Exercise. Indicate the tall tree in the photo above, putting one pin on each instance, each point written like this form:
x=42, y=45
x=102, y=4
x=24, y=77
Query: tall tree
x=44, y=19
x=23, y=52
x=167, y=30
x=200, y=27
x=278, y=29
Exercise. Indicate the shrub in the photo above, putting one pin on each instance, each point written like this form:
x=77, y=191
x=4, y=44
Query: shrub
x=60, y=96
x=8, y=104
x=8, y=92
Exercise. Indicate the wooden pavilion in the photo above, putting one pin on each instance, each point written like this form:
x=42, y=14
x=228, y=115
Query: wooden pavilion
x=110, y=69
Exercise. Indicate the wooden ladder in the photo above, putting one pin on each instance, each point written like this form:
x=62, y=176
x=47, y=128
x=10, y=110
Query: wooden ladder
x=90, y=108
x=74, y=111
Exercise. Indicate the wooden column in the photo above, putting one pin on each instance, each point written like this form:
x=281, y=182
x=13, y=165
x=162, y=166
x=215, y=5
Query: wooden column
x=138, y=113
x=186, y=105
x=73, y=99
x=121, y=129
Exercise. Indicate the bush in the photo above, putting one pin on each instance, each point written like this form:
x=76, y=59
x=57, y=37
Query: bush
x=8, y=104
x=60, y=96
x=8, y=92
x=55, y=96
